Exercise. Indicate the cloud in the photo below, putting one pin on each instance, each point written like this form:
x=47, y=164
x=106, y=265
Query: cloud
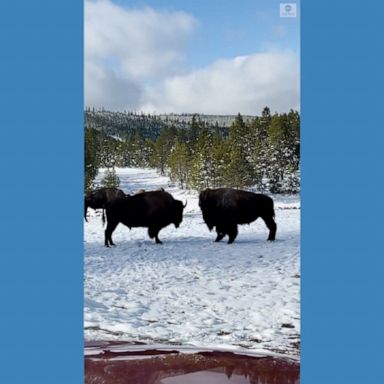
x=135, y=59
x=130, y=46
x=244, y=84
x=105, y=88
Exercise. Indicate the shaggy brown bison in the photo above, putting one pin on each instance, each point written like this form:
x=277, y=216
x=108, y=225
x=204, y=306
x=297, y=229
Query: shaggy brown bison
x=153, y=210
x=99, y=198
x=225, y=208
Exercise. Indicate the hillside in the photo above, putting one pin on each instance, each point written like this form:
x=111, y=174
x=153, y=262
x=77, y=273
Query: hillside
x=125, y=124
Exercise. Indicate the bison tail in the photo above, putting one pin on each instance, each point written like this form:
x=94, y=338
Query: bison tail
x=103, y=216
x=273, y=209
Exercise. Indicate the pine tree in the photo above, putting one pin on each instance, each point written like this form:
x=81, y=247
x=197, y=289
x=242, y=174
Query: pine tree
x=160, y=154
x=283, y=164
x=203, y=166
x=259, y=156
x=235, y=174
x=263, y=151
x=265, y=123
x=179, y=164
x=240, y=172
x=221, y=151
x=162, y=148
x=110, y=180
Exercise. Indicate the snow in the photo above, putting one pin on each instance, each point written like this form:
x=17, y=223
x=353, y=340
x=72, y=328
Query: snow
x=191, y=290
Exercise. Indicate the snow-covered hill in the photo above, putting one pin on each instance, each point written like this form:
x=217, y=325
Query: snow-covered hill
x=191, y=290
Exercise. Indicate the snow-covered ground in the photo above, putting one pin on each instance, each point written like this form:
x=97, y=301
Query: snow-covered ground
x=191, y=290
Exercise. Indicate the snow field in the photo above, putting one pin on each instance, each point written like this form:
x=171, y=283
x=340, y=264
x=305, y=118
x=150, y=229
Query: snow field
x=191, y=290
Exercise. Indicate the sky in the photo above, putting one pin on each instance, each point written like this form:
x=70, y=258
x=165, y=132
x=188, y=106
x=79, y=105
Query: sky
x=177, y=56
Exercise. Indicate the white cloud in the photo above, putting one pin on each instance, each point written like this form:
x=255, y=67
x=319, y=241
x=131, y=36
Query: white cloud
x=244, y=84
x=135, y=60
x=105, y=88
x=130, y=47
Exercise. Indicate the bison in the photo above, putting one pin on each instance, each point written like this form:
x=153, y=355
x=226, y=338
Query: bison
x=153, y=210
x=225, y=208
x=99, y=198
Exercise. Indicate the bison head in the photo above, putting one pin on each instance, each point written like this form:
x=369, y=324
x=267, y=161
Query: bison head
x=207, y=205
x=178, y=213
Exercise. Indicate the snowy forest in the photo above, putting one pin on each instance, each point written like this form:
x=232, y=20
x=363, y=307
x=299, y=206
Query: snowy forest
x=260, y=153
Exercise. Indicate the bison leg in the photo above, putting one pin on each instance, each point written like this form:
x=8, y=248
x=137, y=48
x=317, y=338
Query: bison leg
x=219, y=237
x=154, y=233
x=111, y=226
x=220, y=233
x=270, y=223
x=232, y=233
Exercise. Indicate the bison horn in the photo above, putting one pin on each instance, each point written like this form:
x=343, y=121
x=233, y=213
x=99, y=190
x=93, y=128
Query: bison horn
x=184, y=205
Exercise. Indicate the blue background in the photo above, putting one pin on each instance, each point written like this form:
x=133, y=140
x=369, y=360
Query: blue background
x=342, y=197
x=41, y=160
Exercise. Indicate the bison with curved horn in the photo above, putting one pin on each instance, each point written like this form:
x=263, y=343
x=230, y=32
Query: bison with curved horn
x=225, y=208
x=99, y=198
x=153, y=210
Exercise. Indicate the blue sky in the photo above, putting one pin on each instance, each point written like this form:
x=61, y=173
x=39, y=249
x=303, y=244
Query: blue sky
x=230, y=28
x=157, y=55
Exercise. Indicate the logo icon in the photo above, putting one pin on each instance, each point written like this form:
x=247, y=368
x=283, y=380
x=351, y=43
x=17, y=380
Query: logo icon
x=288, y=9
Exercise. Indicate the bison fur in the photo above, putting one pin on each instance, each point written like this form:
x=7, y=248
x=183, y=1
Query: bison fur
x=226, y=208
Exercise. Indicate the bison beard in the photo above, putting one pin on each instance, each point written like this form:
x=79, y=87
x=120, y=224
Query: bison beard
x=225, y=208
x=153, y=210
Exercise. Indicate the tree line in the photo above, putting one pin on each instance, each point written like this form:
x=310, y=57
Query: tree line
x=260, y=153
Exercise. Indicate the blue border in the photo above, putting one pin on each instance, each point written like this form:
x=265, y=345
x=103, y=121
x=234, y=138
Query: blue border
x=41, y=136
x=342, y=202
x=41, y=169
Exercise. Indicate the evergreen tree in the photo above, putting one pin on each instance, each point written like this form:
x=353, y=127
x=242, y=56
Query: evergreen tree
x=221, y=158
x=265, y=123
x=283, y=161
x=259, y=155
x=160, y=154
x=203, y=165
x=238, y=130
x=110, y=180
x=162, y=149
x=239, y=172
x=263, y=151
x=194, y=130
x=179, y=164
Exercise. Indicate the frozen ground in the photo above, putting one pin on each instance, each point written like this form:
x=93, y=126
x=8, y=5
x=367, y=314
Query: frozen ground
x=191, y=290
